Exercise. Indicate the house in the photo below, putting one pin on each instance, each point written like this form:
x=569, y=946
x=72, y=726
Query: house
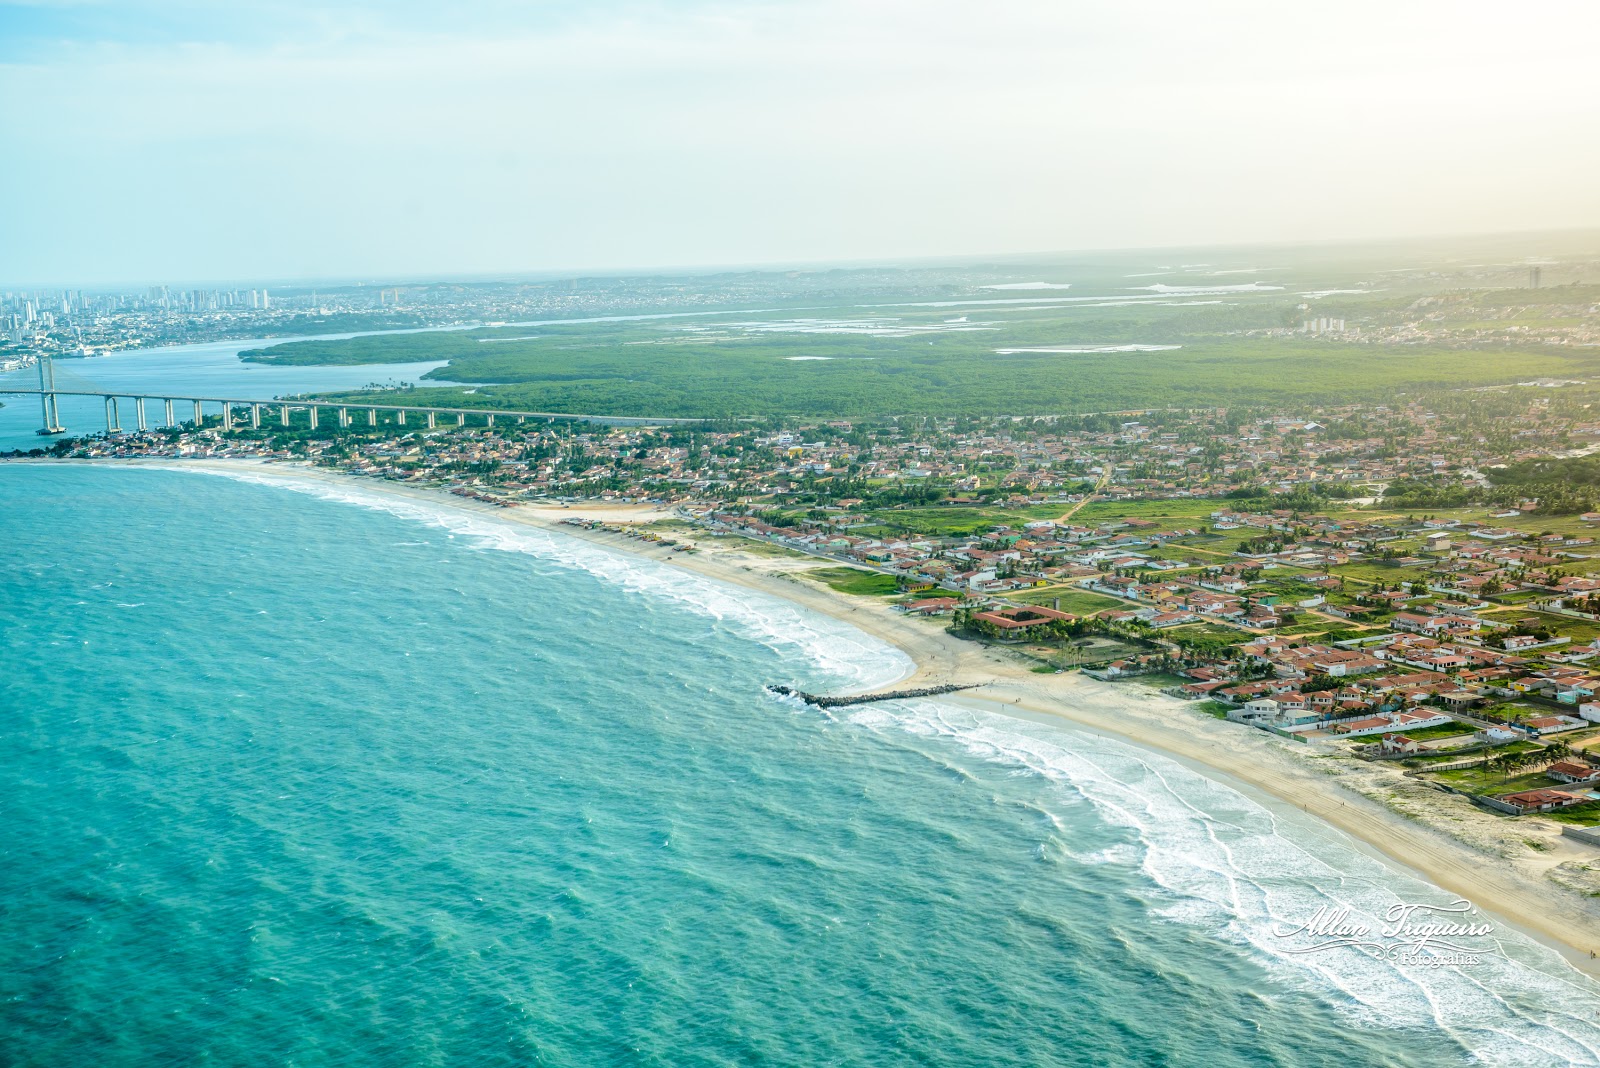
x=1171, y=619
x=1542, y=800
x=1433, y=626
x=1256, y=711
x=1549, y=724
x=1011, y=618
x=932, y=606
x=1355, y=728
x=1419, y=719
x=1342, y=664
x=1399, y=743
x=1570, y=771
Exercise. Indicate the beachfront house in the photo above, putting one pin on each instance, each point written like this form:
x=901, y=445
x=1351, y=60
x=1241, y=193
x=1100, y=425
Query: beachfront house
x=1570, y=771
x=1399, y=743
x=1542, y=800
x=1255, y=712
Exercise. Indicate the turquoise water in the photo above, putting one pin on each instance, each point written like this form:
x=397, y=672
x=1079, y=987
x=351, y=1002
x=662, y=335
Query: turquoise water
x=309, y=778
x=208, y=369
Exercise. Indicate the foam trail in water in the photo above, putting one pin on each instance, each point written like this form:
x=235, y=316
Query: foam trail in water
x=1216, y=859
x=1232, y=866
x=854, y=658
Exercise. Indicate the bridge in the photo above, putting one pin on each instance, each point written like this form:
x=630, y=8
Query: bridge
x=239, y=412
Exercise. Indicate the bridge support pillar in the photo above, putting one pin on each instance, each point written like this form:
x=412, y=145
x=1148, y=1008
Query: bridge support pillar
x=227, y=416
x=113, y=426
x=491, y=420
x=283, y=414
x=372, y=417
x=461, y=419
x=169, y=422
x=255, y=417
x=400, y=417
x=430, y=420
x=199, y=416
x=138, y=411
x=312, y=411
x=521, y=419
x=344, y=418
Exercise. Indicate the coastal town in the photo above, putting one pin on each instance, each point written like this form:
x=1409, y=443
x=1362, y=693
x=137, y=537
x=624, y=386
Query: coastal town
x=98, y=322
x=1388, y=580
x=795, y=534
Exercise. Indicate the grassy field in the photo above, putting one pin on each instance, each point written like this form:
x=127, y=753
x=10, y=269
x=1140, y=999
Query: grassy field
x=1078, y=602
x=1424, y=760
x=854, y=581
x=1185, y=512
x=1586, y=815
x=1442, y=730
x=756, y=547
x=1479, y=780
x=708, y=365
x=1213, y=636
x=957, y=520
x=1072, y=654
x=1582, y=631
x=1380, y=572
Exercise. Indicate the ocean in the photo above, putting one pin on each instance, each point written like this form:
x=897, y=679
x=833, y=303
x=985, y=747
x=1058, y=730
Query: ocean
x=319, y=777
x=206, y=369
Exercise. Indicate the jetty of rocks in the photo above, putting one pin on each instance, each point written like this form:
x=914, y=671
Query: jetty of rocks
x=863, y=698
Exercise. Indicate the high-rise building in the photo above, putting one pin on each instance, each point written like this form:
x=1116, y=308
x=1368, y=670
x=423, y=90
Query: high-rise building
x=1323, y=326
x=1533, y=276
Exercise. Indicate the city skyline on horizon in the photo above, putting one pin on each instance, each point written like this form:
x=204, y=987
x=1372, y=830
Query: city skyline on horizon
x=1041, y=258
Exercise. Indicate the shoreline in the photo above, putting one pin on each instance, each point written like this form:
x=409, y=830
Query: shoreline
x=1478, y=858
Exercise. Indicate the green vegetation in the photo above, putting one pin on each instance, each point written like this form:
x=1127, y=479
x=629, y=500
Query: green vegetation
x=1205, y=639
x=1581, y=631
x=1495, y=778
x=1562, y=487
x=1585, y=815
x=1442, y=730
x=1078, y=602
x=854, y=581
x=711, y=368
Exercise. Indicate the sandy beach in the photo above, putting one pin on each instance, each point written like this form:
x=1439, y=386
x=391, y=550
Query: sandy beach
x=1520, y=870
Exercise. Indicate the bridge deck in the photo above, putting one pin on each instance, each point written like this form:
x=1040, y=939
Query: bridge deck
x=498, y=413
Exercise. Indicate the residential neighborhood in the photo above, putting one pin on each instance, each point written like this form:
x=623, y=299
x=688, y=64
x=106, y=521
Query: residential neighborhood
x=1353, y=575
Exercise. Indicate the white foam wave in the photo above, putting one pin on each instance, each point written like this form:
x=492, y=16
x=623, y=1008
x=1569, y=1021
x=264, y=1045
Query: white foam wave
x=1238, y=868
x=856, y=659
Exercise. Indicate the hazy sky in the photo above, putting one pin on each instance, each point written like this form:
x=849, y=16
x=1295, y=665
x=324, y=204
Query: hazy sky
x=245, y=140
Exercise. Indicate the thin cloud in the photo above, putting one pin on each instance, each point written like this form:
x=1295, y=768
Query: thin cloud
x=286, y=139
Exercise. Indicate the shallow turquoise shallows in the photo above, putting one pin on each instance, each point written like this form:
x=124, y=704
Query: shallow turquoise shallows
x=287, y=779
